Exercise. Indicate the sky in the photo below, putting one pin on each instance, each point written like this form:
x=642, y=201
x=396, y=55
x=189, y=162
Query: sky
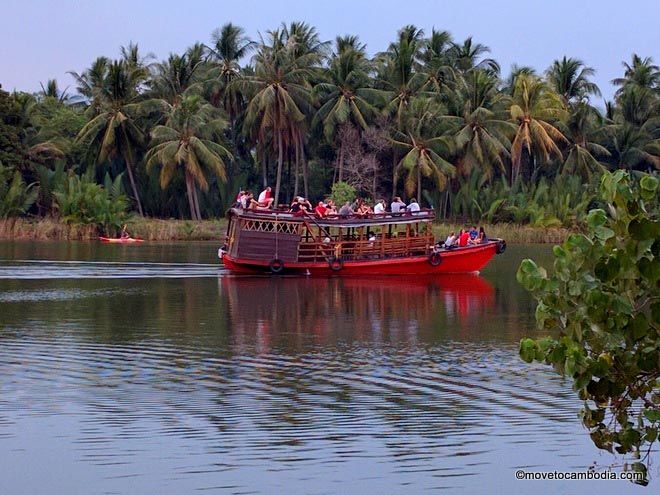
x=43, y=39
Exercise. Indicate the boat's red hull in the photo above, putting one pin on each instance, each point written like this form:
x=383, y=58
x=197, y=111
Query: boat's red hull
x=460, y=260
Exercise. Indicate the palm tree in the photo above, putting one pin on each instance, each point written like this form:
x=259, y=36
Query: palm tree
x=52, y=90
x=346, y=97
x=631, y=147
x=583, y=152
x=569, y=78
x=178, y=74
x=466, y=56
x=436, y=64
x=516, y=70
x=113, y=128
x=533, y=108
x=423, y=144
x=188, y=141
x=641, y=72
x=91, y=83
x=484, y=136
x=280, y=97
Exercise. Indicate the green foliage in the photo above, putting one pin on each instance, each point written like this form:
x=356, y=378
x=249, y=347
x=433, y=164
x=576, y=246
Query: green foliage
x=603, y=299
x=81, y=200
x=342, y=193
x=16, y=197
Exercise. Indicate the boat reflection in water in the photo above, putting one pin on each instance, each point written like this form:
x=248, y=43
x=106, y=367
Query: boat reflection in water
x=267, y=312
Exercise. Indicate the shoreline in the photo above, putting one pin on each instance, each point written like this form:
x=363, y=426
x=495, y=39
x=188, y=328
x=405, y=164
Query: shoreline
x=154, y=229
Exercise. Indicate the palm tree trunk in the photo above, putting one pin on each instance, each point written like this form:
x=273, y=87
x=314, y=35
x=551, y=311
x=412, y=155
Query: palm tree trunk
x=189, y=194
x=393, y=174
x=264, y=167
x=196, y=201
x=136, y=195
x=280, y=160
x=296, y=180
x=341, y=161
x=419, y=185
x=304, y=165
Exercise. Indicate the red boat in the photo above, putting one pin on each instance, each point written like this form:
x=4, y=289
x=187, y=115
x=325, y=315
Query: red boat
x=263, y=241
x=120, y=240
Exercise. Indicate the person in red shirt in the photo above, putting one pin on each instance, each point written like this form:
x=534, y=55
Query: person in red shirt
x=321, y=210
x=463, y=238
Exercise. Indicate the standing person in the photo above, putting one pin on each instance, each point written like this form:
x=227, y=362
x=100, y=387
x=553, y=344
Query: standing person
x=266, y=198
x=397, y=205
x=463, y=238
x=413, y=206
x=379, y=208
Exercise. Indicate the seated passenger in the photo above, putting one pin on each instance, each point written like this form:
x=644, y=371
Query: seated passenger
x=266, y=198
x=299, y=207
x=239, y=199
x=397, y=205
x=321, y=210
x=463, y=238
x=379, y=208
x=450, y=242
x=364, y=209
x=346, y=210
x=413, y=207
x=331, y=209
x=481, y=237
x=473, y=233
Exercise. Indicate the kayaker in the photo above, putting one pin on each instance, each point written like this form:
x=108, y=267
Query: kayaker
x=124, y=233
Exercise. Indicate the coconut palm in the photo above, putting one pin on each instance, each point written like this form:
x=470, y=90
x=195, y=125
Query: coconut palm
x=583, y=151
x=114, y=129
x=569, y=78
x=91, y=83
x=280, y=97
x=188, y=143
x=533, y=108
x=484, y=136
x=346, y=97
x=641, y=72
x=467, y=56
x=436, y=64
x=178, y=74
x=423, y=145
x=632, y=148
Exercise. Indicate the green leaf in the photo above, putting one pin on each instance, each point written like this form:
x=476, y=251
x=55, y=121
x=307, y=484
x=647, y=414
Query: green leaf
x=527, y=350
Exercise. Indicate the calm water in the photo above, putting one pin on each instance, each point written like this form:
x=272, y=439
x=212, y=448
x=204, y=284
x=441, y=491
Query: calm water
x=147, y=369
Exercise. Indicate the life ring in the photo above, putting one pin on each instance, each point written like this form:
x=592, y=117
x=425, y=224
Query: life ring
x=501, y=246
x=276, y=266
x=336, y=263
x=435, y=259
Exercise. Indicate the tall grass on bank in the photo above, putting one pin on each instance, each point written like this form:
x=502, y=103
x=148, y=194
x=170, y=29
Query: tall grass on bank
x=185, y=230
x=44, y=229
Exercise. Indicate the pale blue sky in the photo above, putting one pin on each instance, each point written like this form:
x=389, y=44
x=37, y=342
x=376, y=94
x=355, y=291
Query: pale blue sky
x=41, y=39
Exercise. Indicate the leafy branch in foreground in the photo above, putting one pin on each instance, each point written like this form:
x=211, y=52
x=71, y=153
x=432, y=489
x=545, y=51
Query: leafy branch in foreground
x=603, y=298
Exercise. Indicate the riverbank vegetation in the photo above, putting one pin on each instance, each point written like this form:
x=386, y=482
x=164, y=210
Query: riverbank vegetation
x=429, y=117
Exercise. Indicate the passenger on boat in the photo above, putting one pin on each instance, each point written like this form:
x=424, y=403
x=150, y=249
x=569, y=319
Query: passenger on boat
x=245, y=199
x=363, y=209
x=321, y=210
x=474, y=233
x=346, y=210
x=413, y=206
x=266, y=198
x=481, y=237
x=300, y=207
x=463, y=238
x=450, y=241
x=331, y=209
x=379, y=208
x=239, y=199
x=397, y=205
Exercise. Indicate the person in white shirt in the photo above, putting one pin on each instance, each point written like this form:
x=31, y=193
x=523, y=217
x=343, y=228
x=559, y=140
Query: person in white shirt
x=397, y=205
x=449, y=242
x=380, y=207
x=265, y=198
x=413, y=206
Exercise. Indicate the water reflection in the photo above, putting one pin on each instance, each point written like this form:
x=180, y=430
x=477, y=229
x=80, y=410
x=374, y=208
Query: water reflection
x=387, y=309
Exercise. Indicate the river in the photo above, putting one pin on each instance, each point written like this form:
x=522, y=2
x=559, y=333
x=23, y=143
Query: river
x=148, y=369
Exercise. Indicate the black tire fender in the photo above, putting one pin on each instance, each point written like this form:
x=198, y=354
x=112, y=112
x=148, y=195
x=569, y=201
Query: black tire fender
x=335, y=263
x=276, y=266
x=501, y=246
x=435, y=259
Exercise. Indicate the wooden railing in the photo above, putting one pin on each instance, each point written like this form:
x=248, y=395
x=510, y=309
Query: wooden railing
x=353, y=250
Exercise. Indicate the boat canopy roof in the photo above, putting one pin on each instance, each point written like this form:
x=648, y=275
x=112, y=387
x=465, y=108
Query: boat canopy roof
x=424, y=215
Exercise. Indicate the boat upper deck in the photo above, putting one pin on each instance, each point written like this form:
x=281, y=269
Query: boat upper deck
x=351, y=221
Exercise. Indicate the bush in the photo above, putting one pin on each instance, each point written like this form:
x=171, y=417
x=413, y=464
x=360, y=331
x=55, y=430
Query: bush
x=603, y=299
x=342, y=193
x=81, y=200
x=16, y=197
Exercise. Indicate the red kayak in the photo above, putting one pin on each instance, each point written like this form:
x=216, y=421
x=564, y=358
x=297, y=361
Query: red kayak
x=125, y=240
